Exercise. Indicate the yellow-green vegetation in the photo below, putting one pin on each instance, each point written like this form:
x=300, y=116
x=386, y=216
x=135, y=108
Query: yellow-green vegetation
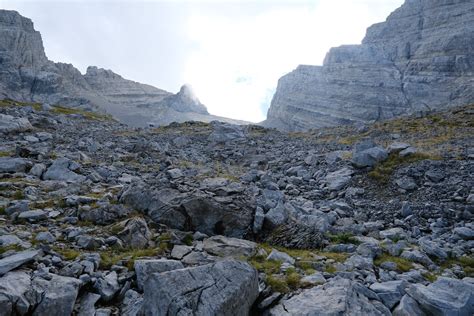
x=67, y=253
x=5, y=153
x=466, y=262
x=86, y=114
x=2, y=210
x=18, y=195
x=343, y=238
x=4, y=249
x=10, y=103
x=164, y=242
x=44, y=204
x=430, y=276
x=291, y=279
x=384, y=170
x=403, y=265
x=111, y=257
x=330, y=268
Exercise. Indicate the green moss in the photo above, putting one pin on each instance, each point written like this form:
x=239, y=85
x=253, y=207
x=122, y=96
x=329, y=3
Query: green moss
x=403, y=265
x=384, y=170
x=188, y=240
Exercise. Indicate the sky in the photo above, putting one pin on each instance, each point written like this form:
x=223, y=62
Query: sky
x=231, y=52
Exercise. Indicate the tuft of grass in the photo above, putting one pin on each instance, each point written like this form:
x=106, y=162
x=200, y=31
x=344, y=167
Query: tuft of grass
x=430, y=276
x=265, y=266
x=68, y=254
x=5, y=153
x=293, y=279
x=403, y=265
x=188, y=240
x=18, y=195
x=466, y=262
x=330, y=268
x=2, y=210
x=384, y=170
x=343, y=238
x=277, y=283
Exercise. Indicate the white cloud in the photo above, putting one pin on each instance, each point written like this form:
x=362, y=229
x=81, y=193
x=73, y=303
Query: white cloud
x=263, y=47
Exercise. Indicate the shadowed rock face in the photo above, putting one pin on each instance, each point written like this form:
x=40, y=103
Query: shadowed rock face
x=421, y=58
x=26, y=74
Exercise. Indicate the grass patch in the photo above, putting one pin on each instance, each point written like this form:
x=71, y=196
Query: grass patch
x=188, y=240
x=403, y=265
x=112, y=257
x=86, y=114
x=11, y=103
x=277, y=283
x=5, y=153
x=2, y=210
x=343, y=238
x=430, y=276
x=68, y=254
x=383, y=171
x=4, y=249
x=466, y=262
x=18, y=195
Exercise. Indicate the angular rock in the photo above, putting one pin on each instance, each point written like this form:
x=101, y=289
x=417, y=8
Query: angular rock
x=62, y=169
x=145, y=268
x=229, y=247
x=280, y=256
x=390, y=292
x=14, y=261
x=12, y=165
x=9, y=124
x=444, y=297
x=223, y=288
x=336, y=297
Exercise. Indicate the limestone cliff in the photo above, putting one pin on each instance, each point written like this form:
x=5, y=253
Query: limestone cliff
x=26, y=74
x=421, y=58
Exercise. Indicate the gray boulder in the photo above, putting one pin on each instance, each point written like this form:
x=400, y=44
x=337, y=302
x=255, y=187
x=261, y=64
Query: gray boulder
x=444, y=297
x=390, y=292
x=63, y=169
x=224, y=288
x=145, y=268
x=338, y=179
x=107, y=286
x=408, y=307
x=336, y=297
x=14, y=261
x=58, y=295
x=369, y=157
x=12, y=165
x=229, y=247
x=9, y=124
x=14, y=289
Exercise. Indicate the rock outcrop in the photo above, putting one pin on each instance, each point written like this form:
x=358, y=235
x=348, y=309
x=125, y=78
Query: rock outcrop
x=26, y=74
x=420, y=59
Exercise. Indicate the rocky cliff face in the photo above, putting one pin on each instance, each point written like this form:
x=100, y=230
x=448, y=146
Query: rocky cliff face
x=26, y=74
x=421, y=58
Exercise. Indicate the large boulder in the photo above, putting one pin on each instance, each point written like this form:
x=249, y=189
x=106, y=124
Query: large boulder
x=224, y=288
x=14, y=289
x=63, y=169
x=230, y=216
x=9, y=124
x=12, y=165
x=14, y=261
x=229, y=247
x=446, y=296
x=145, y=268
x=58, y=295
x=336, y=297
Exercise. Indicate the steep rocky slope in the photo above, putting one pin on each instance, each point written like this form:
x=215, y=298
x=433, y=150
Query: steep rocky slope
x=421, y=58
x=97, y=218
x=26, y=74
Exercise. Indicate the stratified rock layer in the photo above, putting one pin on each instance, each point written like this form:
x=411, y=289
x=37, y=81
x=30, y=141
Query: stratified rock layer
x=421, y=58
x=26, y=74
